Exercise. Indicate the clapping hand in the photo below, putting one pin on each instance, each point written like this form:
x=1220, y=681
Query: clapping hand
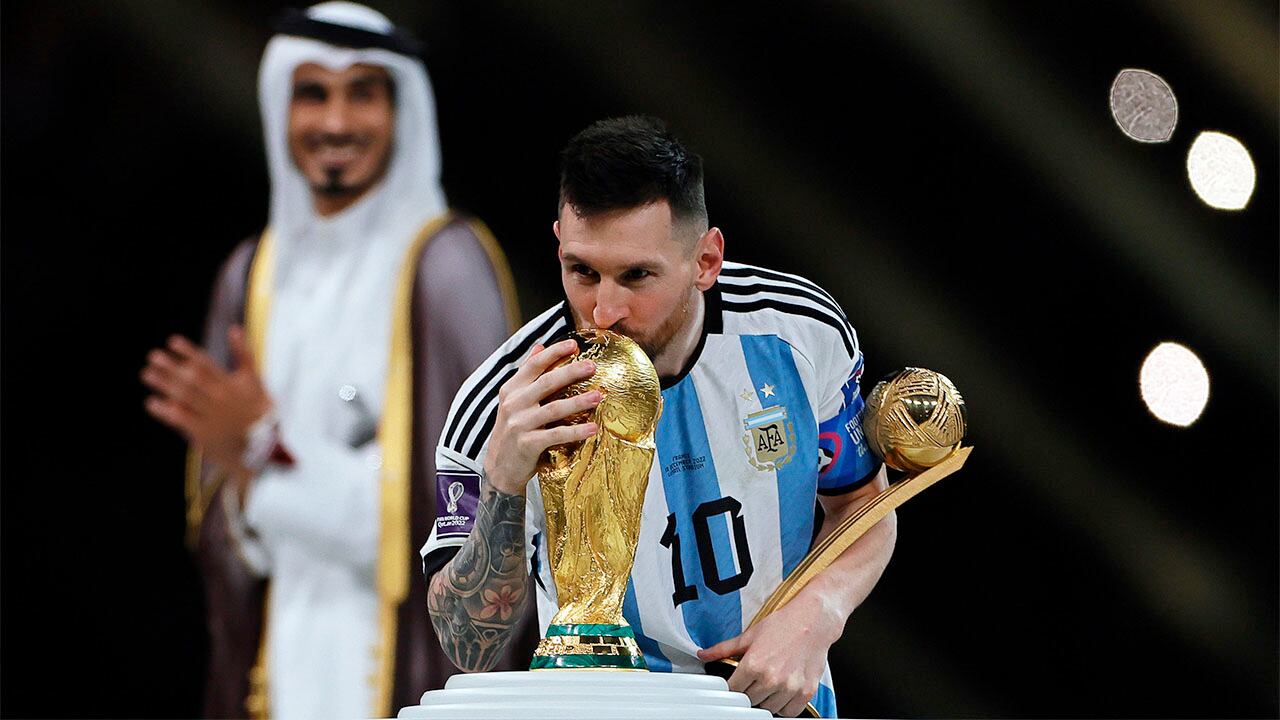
x=212, y=407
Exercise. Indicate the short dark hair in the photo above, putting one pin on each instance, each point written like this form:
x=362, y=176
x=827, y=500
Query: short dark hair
x=628, y=162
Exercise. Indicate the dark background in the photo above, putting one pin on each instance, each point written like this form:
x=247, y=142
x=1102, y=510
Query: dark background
x=948, y=170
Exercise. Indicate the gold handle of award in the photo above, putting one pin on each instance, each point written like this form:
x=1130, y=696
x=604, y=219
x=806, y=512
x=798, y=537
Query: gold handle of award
x=915, y=420
x=855, y=526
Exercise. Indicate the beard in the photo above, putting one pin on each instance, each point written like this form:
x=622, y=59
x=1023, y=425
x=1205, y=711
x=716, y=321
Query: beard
x=334, y=185
x=336, y=182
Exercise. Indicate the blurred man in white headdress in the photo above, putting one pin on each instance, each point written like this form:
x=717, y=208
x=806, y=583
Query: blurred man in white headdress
x=334, y=345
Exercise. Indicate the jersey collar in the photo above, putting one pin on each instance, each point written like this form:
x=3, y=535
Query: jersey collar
x=712, y=324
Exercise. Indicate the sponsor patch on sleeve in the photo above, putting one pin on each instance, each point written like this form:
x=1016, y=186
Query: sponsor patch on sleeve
x=844, y=457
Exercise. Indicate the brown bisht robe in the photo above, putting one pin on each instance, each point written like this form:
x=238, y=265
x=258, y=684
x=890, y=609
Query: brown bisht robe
x=452, y=333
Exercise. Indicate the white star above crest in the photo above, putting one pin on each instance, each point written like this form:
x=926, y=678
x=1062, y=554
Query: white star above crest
x=767, y=390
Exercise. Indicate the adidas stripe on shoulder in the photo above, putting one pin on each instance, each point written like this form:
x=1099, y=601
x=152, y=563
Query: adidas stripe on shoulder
x=472, y=414
x=748, y=289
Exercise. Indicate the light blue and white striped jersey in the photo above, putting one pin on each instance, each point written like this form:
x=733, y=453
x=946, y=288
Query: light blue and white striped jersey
x=766, y=416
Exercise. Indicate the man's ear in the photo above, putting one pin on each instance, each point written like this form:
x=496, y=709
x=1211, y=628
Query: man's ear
x=710, y=258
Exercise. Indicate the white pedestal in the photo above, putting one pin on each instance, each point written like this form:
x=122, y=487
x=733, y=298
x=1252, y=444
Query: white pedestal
x=575, y=694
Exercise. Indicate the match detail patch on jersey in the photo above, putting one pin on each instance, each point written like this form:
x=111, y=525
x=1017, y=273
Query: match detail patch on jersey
x=769, y=438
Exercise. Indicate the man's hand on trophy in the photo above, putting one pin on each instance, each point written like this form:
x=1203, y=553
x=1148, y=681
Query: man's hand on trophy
x=525, y=427
x=211, y=407
x=782, y=656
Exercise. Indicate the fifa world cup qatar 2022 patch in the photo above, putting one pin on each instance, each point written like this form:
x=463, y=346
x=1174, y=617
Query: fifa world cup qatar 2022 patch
x=457, y=494
x=769, y=438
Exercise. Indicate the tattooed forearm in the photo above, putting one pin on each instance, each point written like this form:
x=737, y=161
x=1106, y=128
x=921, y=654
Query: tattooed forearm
x=476, y=599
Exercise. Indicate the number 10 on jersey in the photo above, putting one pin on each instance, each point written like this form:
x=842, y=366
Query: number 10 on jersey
x=721, y=577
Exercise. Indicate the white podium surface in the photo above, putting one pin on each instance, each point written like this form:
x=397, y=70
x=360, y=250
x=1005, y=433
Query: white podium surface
x=574, y=694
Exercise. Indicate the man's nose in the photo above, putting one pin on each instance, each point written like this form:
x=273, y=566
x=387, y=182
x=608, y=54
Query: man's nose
x=336, y=116
x=611, y=306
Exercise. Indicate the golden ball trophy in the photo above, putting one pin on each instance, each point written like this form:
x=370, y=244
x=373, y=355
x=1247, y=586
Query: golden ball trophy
x=592, y=493
x=915, y=420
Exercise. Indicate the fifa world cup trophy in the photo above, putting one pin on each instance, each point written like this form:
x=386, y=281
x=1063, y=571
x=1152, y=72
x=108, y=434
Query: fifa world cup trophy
x=592, y=493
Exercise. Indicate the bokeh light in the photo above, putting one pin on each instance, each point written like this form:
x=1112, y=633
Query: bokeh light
x=1174, y=384
x=1144, y=106
x=1221, y=171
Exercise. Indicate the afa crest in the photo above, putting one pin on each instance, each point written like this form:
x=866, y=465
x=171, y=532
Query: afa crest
x=769, y=438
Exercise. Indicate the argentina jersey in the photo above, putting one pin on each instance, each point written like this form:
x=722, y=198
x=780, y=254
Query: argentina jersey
x=766, y=416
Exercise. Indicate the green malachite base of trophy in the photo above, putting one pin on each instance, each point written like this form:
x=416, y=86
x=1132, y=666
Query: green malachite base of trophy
x=588, y=647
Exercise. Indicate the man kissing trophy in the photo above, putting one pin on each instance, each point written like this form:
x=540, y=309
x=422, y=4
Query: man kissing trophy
x=760, y=420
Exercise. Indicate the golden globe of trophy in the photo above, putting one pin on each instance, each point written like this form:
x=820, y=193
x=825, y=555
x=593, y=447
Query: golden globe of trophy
x=592, y=493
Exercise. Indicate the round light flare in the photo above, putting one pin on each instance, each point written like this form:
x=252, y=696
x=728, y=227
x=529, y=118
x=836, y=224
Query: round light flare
x=1221, y=171
x=1174, y=384
x=1143, y=105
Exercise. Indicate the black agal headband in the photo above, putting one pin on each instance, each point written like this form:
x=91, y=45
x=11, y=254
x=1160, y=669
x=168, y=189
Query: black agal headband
x=296, y=22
